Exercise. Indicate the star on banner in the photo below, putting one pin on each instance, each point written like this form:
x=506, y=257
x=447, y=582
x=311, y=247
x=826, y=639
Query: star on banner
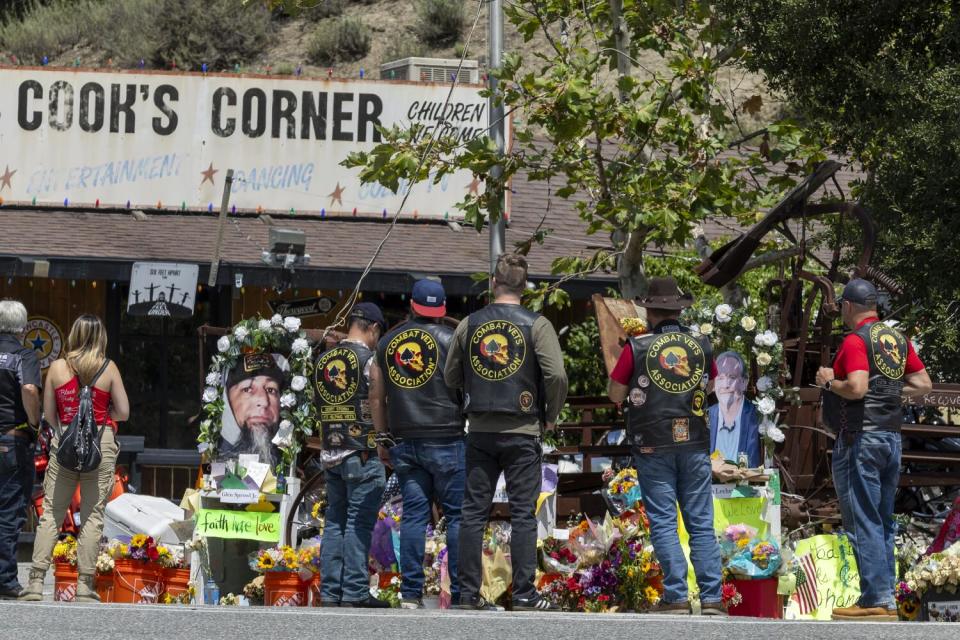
x=5, y=178
x=474, y=187
x=208, y=174
x=38, y=342
x=336, y=195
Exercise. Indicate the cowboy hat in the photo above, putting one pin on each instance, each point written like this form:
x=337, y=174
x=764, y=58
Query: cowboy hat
x=664, y=293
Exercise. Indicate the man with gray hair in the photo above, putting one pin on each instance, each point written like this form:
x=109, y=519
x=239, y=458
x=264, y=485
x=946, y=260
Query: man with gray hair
x=19, y=419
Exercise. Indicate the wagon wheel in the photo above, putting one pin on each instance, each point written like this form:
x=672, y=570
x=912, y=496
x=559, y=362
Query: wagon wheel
x=313, y=491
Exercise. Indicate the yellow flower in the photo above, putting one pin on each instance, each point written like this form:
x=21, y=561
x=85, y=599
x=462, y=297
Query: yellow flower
x=645, y=567
x=138, y=540
x=630, y=572
x=742, y=542
x=651, y=594
x=265, y=563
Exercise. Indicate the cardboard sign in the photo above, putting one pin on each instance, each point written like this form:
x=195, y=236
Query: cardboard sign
x=246, y=525
x=162, y=289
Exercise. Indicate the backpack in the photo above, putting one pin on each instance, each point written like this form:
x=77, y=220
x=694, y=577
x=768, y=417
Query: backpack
x=79, y=448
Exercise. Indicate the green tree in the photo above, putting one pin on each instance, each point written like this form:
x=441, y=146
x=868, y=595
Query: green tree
x=881, y=80
x=642, y=148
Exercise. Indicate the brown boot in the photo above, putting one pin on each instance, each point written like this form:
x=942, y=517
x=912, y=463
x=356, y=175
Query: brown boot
x=675, y=608
x=712, y=609
x=857, y=613
x=34, y=590
x=86, y=589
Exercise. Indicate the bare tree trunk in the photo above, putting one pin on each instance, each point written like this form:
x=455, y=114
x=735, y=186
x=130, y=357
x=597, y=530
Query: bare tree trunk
x=632, y=276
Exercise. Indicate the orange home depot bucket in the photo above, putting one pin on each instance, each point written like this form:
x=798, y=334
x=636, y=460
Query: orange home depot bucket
x=314, y=590
x=104, y=583
x=176, y=582
x=136, y=582
x=64, y=582
x=284, y=589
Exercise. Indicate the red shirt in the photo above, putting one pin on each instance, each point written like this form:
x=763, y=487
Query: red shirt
x=68, y=402
x=623, y=370
x=852, y=355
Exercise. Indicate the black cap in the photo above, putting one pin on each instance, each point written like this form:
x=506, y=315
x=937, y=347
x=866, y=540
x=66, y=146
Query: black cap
x=371, y=312
x=861, y=292
x=252, y=365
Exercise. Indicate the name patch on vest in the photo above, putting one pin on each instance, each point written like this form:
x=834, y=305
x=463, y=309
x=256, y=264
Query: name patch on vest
x=411, y=358
x=675, y=362
x=497, y=350
x=889, y=351
x=337, y=376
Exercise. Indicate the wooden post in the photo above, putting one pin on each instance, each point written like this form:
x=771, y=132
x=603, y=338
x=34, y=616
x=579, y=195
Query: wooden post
x=215, y=263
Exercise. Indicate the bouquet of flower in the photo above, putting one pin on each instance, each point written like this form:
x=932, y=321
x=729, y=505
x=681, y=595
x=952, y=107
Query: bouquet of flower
x=736, y=537
x=105, y=563
x=496, y=535
x=908, y=601
x=389, y=593
x=309, y=558
x=640, y=578
x=937, y=571
x=140, y=547
x=633, y=326
x=253, y=590
x=65, y=551
x=556, y=557
x=282, y=558
x=169, y=558
x=598, y=587
x=229, y=600
x=746, y=556
x=622, y=491
x=564, y=592
x=729, y=596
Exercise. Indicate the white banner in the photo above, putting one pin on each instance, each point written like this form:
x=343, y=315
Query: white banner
x=152, y=139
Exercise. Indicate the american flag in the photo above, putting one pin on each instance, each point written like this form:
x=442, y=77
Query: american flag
x=807, y=595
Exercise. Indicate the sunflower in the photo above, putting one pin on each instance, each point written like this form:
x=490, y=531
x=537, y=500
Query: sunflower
x=265, y=562
x=289, y=558
x=138, y=541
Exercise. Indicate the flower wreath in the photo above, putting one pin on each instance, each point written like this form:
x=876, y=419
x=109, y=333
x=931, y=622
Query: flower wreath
x=297, y=411
x=737, y=330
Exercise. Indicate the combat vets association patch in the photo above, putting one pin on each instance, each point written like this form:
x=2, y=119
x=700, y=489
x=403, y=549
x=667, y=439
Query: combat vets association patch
x=676, y=362
x=699, y=400
x=497, y=350
x=526, y=401
x=337, y=375
x=681, y=429
x=411, y=358
x=889, y=350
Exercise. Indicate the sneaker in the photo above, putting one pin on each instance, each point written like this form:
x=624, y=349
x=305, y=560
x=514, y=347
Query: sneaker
x=477, y=604
x=411, y=603
x=712, y=609
x=537, y=603
x=369, y=603
x=7, y=593
x=329, y=604
x=673, y=608
x=867, y=614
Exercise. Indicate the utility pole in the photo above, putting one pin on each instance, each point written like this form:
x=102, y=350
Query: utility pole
x=221, y=221
x=498, y=228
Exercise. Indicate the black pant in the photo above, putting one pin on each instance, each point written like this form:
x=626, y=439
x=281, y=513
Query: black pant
x=518, y=457
x=16, y=485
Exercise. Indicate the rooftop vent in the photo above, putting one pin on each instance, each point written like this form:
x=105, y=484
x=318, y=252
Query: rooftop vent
x=430, y=70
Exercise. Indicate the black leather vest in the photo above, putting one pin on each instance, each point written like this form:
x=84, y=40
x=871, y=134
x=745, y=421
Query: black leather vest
x=882, y=408
x=343, y=397
x=501, y=371
x=419, y=403
x=666, y=404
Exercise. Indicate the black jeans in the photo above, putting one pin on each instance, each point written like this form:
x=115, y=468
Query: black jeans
x=16, y=486
x=518, y=457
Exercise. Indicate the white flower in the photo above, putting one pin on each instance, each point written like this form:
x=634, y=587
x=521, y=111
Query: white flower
x=769, y=338
x=764, y=384
x=299, y=383
x=766, y=405
x=240, y=333
x=774, y=433
x=723, y=313
x=264, y=325
x=748, y=323
x=277, y=319
x=291, y=324
x=223, y=344
x=209, y=394
x=705, y=313
x=284, y=437
x=706, y=328
x=300, y=345
x=695, y=329
x=205, y=424
x=763, y=358
x=213, y=379
x=737, y=339
x=288, y=400
x=203, y=446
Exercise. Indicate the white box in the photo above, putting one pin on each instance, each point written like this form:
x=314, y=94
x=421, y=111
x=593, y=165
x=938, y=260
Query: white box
x=132, y=513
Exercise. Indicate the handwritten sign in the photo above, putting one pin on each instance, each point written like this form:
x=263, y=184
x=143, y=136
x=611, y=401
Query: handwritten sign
x=837, y=577
x=239, y=496
x=247, y=525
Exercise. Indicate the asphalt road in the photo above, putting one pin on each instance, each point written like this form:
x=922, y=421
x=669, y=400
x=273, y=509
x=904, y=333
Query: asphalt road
x=26, y=621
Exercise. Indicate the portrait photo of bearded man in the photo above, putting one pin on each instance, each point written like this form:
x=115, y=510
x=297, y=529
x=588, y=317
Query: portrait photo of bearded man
x=251, y=414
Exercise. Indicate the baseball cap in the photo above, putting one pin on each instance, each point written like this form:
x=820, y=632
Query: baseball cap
x=253, y=365
x=861, y=292
x=429, y=299
x=369, y=311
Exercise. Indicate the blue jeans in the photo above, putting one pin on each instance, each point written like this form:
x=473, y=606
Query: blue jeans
x=428, y=467
x=865, y=473
x=685, y=478
x=16, y=485
x=354, y=490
